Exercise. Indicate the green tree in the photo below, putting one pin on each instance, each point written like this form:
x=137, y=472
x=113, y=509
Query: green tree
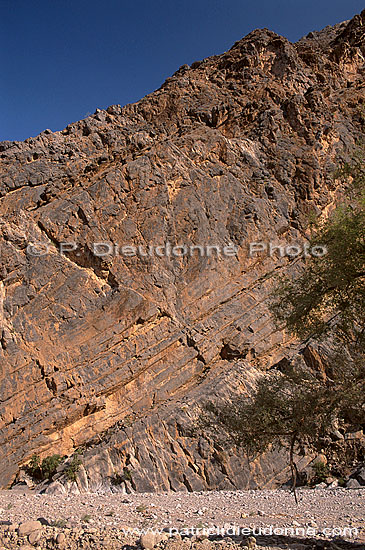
x=45, y=469
x=50, y=464
x=330, y=292
x=73, y=468
x=295, y=407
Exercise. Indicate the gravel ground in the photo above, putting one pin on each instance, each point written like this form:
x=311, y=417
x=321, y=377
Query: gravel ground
x=102, y=517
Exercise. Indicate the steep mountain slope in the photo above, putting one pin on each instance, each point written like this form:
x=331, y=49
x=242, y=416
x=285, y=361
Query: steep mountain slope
x=117, y=352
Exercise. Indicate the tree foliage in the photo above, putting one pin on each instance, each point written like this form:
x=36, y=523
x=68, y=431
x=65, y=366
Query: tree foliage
x=297, y=407
x=332, y=287
x=45, y=469
x=73, y=468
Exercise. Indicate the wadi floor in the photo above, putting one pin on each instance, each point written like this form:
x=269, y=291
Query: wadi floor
x=323, y=518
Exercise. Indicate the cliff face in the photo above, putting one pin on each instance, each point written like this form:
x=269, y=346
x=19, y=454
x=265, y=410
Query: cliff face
x=118, y=352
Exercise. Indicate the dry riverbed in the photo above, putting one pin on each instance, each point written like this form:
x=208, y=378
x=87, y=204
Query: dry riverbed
x=323, y=518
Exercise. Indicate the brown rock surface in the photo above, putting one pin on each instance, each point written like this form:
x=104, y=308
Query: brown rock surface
x=118, y=352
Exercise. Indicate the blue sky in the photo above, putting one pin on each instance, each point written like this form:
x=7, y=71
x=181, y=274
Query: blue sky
x=62, y=59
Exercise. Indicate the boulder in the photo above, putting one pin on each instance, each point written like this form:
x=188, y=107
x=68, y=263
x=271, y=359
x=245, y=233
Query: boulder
x=34, y=537
x=29, y=527
x=55, y=488
x=148, y=541
x=353, y=484
x=60, y=539
x=361, y=475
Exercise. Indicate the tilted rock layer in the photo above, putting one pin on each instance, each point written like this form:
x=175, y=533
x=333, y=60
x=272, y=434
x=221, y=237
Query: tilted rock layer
x=118, y=353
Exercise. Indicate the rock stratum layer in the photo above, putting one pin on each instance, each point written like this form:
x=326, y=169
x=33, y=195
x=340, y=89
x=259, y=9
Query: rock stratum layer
x=118, y=353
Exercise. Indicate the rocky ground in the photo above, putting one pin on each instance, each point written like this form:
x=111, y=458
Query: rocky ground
x=323, y=518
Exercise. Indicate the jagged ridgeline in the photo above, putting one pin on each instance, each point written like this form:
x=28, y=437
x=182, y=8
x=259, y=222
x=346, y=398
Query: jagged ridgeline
x=115, y=353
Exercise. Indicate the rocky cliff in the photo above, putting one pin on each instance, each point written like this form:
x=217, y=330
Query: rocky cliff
x=116, y=352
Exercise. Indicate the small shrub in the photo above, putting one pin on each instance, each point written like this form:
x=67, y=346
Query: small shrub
x=141, y=508
x=60, y=523
x=321, y=472
x=86, y=518
x=50, y=464
x=73, y=468
x=127, y=474
x=34, y=462
x=43, y=470
x=118, y=479
x=34, y=467
x=80, y=450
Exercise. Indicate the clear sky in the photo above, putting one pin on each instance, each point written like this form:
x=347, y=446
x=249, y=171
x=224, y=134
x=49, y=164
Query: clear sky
x=62, y=59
